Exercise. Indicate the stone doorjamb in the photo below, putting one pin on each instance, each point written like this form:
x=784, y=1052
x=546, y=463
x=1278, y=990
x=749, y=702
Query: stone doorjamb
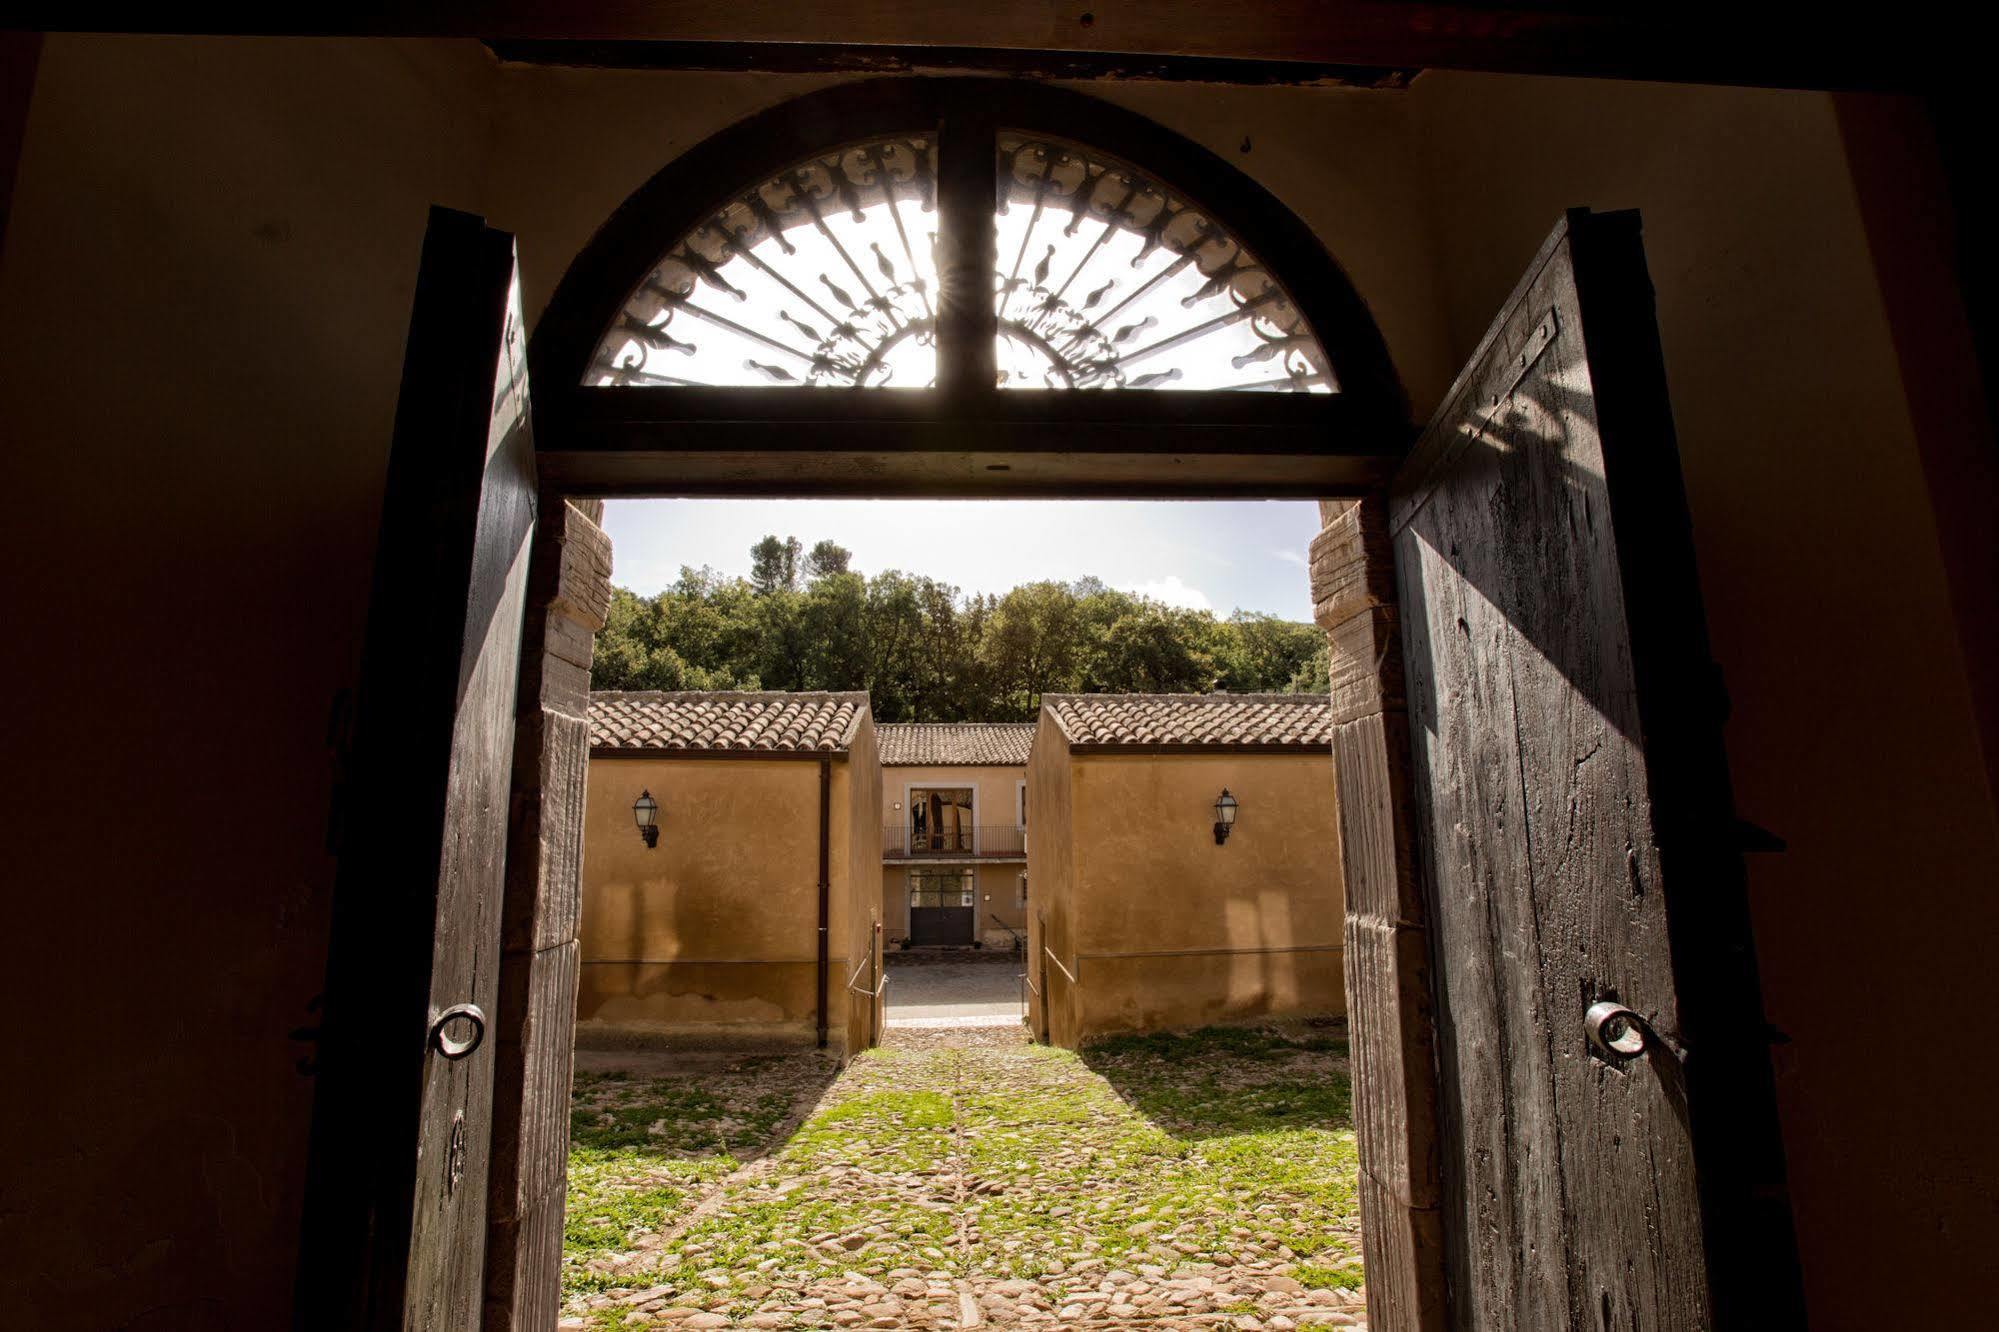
x=1389, y=998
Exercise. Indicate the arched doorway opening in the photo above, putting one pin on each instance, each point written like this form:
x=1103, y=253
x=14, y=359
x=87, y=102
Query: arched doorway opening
x=1029, y=292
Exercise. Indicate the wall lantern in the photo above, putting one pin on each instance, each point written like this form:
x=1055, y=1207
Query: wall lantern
x=645, y=812
x=1225, y=809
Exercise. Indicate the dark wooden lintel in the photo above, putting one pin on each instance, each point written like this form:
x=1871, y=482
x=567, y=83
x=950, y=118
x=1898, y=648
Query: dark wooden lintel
x=1768, y=45
x=885, y=442
x=847, y=58
x=945, y=474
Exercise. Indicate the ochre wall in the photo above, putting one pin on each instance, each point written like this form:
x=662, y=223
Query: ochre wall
x=1171, y=930
x=1852, y=734
x=711, y=934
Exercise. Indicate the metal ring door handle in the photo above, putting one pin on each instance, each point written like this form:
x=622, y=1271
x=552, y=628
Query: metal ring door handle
x=458, y=1049
x=1614, y=1031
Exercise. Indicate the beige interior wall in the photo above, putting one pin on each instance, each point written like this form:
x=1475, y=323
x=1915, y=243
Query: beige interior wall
x=1852, y=734
x=1173, y=930
x=204, y=291
x=716, y=927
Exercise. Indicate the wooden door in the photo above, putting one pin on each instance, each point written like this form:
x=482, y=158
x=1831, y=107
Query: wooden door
x=1575, y=834
x=396, y=1204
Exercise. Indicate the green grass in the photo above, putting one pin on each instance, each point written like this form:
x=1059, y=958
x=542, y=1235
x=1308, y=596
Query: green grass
x=1019, y=1161
x=644, y=1151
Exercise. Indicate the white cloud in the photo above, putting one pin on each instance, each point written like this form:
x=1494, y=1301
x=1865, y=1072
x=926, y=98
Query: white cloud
x=1174, y=593
x=1290, y=556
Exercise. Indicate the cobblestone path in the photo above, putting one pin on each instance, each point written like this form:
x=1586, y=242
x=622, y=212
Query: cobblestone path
x=962, y=1178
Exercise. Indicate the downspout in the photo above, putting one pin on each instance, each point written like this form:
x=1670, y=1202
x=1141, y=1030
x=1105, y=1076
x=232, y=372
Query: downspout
x=825, y=882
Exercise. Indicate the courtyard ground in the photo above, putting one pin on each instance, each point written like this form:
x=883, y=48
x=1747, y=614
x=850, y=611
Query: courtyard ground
x=962, y=1177
x=954, y=989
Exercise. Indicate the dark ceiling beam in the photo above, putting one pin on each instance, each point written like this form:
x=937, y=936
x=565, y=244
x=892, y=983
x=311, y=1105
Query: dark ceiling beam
x=779, y=58
x=899, y=442
x=1896, y=49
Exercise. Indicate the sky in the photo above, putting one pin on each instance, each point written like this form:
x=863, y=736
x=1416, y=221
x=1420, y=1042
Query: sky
x=1219, y=555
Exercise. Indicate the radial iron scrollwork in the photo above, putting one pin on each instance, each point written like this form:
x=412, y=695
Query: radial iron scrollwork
x=826, y=275
x=1112, y=280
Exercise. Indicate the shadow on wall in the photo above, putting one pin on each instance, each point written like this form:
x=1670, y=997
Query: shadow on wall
x=1224, y=1082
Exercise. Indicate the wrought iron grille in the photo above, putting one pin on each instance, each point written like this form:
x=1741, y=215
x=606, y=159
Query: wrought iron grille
x=1112, y=280
x=825, y=275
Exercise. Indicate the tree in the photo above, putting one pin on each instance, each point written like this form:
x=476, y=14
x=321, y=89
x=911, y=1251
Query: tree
x=1316, y=675
x=774, y=565
x=1266, y=652
x=926, y=652
x=827, y=557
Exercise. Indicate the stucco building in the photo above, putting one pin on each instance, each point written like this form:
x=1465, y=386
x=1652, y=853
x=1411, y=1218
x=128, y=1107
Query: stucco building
x=1147, y=915
x=769, y=821
x=954, y=849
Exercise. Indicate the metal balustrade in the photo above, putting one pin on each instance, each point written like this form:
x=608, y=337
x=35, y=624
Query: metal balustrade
x=985, y=842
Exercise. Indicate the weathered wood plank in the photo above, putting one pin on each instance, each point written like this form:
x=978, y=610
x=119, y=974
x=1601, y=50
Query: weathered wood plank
x=395, y=1218
x=1571, y=1186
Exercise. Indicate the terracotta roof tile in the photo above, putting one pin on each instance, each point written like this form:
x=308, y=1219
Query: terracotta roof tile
x=656, y=721
x=1269, y=721
x=940, y=744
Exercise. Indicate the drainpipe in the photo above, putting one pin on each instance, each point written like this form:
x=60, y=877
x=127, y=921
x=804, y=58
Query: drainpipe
x=825, y=882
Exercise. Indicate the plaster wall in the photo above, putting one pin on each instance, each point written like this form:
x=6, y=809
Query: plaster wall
x=1172, y=930
x=712, y=933
x=204, y=291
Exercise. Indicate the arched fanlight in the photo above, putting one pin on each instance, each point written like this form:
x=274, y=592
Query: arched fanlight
x=1225, y=812
x=645, y=812
x=826, y=274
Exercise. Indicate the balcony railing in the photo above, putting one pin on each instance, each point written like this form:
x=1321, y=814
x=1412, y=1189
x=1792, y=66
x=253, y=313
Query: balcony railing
x=987, y=842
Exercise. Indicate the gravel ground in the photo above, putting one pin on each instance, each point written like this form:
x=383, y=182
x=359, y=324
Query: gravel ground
x=974, y=989
x=962, y=1177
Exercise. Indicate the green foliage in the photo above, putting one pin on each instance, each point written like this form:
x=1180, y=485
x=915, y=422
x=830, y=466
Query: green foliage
x=926, y=652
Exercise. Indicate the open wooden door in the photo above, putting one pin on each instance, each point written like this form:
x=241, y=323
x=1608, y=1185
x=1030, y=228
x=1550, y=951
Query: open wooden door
x=1576, y=839
x=395, y=1225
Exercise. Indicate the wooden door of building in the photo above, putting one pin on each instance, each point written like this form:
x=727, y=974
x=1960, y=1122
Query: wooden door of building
x=941, y=909
x=1575, y=835
x=396, y=1204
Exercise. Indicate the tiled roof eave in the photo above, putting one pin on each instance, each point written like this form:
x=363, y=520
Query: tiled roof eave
x=1201, y=747
x=681, y=752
